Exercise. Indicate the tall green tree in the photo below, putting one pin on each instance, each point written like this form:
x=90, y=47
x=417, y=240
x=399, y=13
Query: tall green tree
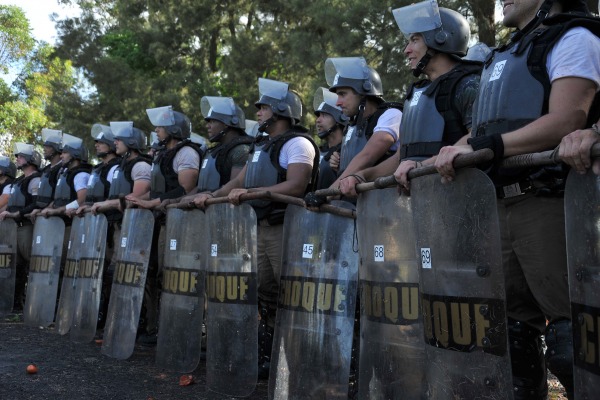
x=145, y=53
x=15, y=36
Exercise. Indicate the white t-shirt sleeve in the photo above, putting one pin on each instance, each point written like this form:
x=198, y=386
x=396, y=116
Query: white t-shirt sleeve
x=186, y=158
x=298, y=150
x=81, y=181
x=33, y=187
x=141, y=171
x=7, y=189
x=576, y=54
x=389, y=122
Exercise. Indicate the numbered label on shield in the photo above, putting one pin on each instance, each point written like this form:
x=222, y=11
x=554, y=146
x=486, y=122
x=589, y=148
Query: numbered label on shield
x=173, y=245
x=426, y=257
x=307, y=251
x=213, y=250
x=124, y=242
x=379, y=253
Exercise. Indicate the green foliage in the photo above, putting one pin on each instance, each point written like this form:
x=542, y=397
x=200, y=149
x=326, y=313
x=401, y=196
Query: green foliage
x=15, y=36
x=145, y=53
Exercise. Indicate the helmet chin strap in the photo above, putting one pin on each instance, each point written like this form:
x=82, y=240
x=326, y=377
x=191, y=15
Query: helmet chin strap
x=325, y=133
x=540, y=16
x=357, y=119
x=218, y=136
x=263, y=127
x=422, y=64
x=51, y=156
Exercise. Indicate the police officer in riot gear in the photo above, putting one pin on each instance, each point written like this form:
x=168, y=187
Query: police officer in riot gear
x=373, y=131
x=130, y=177
x=102, y=174
x=225, y=123
x=174, y=173
x=331, y=122
x=284, y=162
x=52, y=145
x=175, y=170
x=71, y=188
x=555, y=62
x=8, y=172
x=21, y=202
x=437, y=109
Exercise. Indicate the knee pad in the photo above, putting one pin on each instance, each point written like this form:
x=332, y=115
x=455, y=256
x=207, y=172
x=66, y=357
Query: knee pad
x=527, y=361
x=559, y=352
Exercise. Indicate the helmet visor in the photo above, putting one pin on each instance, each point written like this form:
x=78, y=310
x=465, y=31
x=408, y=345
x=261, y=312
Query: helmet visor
x=102, y=132
x=251, y=128
x=23, y=148
x=71, y=141
x=345, y=67
x=51, y=135
x=324, y=97
x=417, y=18
x=161, y=116
x=4, y=162
x=273, y=89
x=217, y=107
x=122, y=129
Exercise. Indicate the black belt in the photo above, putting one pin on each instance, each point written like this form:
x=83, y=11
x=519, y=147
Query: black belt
x=515, y=189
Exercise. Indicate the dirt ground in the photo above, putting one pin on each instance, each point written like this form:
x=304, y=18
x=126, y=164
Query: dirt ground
x=71, y=371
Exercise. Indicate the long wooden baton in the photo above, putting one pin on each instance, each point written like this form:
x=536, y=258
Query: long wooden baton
x=461, y=161
x=265, y=194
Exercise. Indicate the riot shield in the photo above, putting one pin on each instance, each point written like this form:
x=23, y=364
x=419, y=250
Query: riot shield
x=127, y=293
x=44, y=271
x=582, y=197
x=462, y=287
x=392, y=354
x=89, y=280
x=66, y=301
x=231, y=290
x=8, y=264
x=182, y=299
x=312, y=346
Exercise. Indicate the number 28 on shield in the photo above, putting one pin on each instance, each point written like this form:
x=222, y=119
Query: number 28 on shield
x=426, y=257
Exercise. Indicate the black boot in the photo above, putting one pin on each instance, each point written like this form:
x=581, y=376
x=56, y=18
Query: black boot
x=527, y=359
x=559, y=354
x=265, y=342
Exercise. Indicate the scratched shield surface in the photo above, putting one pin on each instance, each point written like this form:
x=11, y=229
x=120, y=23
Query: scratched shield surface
x=462, y=287
x=8, y=264
x=127, y=293
x=582, y=197
x=89, y=280
x=182, y=297
x=66, y=301
x=232, y=309
x=312, y=345
x=44, y=271
x=392, y=352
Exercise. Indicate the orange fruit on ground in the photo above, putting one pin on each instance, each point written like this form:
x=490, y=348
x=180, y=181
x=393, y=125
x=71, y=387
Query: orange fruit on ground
x=32, y=369
x=186, y=380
